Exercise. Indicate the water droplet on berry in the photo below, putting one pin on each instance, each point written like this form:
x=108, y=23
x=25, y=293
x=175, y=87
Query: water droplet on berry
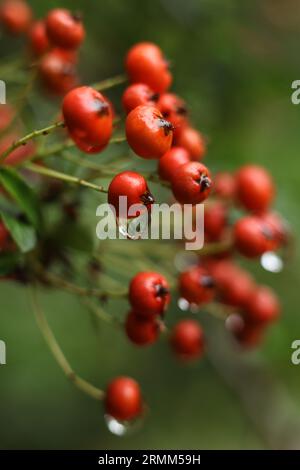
x=271, y=262
x=184, y=260
x=183, y=304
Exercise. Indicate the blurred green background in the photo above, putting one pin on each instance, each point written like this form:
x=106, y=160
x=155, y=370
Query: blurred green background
x=234, y=62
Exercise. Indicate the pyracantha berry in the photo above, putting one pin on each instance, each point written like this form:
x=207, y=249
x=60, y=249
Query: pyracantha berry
x=7, y=114
x=123, y=400
x=138, y=94
x=187, y=340
x=140, y=330
x=247, y=334
x=253, y=236
x=15, y=15
x=192, y=141
x=148, y=133
x=255, y=188
x=149, y=294
x=278, y=227
x=18, y=155
x=170, y=161
x=57, y=70
x=145, y=63
x=215, y=221
x=64, y=28
x=224, y=185
x=263, y=307
x=134, y=187
x=196, y=285
x=191, y=183
x=38, y=39
x=174, y=109
x=88, y=117
x=4, y=236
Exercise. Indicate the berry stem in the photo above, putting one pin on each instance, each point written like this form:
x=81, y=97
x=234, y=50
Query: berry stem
x=64, y=177
x=110, y=82
x=28, y=137
x=59, y=356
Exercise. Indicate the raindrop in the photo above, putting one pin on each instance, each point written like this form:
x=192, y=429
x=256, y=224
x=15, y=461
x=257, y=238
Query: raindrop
x=271, y=262
x=122, y=428
x=183, y=304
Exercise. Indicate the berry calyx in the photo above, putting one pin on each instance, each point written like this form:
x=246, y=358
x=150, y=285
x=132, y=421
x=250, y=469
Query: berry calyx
x=192, y=141
x=123, y=400
x=254, y=188
x=148, y=133
x=138, y=94
x=187, y=340
x=16, y=16
x=174, y=109
x=140, y=330
x=170, y=161
x=64, y=28
x=196, y=285
x=88, y=118
x=145, y=63
x=134, y=187
x=191, y=183
x=149, y=294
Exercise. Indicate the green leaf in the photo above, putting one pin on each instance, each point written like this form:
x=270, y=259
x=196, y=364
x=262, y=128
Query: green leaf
x=8, y=262
x=23, y=234
x=22, y=193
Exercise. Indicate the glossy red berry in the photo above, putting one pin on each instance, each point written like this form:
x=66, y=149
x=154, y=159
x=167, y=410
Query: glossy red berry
x=64, y=28
x=140, y=330
x=149, y=294
x=145, y=63
x=191, y=183
x=57, y=70
x=196, y=285
x=253, y=237
x=134, y=187
x=88, y=118
x=38, y=39
x=15, y=15
x=215, y=221
x=224, y=185
x=247, y=334
x=192, y=141
x=187, y=340
x=278, y=227
x=170, y=161
x=4, y=236
x=138, y=94
x=123, y=400
x=148, y=133
x=263, y=307
x=255, y=188
x=174, y=109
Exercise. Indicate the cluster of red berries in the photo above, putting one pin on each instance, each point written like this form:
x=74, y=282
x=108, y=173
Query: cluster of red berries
x=157, y=127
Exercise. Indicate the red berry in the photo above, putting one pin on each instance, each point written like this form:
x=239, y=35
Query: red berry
x=187, y=339
x=4, y=235
x=174, y=109
x=215, y=221
x=278, y=227
x=141, y=331
x=263, y=306
x=132, y=185
x=18, y=155
x=191, y=183
x=248, y=335
x=15, y=15
x=170, y=161
x=224, y=185
x=196, y=285
x=136, y=95
x=123, y=400
x=253, y=237
x=255, y=188
x=88, y=118
x=39, y=43
x=64, y=28
x=192, y=141
x=148, y=133
x=57, y=70
x=145, y=63
x=7, y=114
x=149, y=294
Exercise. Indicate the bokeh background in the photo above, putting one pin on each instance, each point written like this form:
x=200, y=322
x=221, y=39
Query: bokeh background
x=234, y=62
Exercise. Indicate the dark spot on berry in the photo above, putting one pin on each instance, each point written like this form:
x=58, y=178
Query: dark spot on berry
x=182, y=110
x=166, y=125
x=102, y=107
x=154, y=97
x=207, y=281
x=147, y=198
x=204, y=182
x=161, y=291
